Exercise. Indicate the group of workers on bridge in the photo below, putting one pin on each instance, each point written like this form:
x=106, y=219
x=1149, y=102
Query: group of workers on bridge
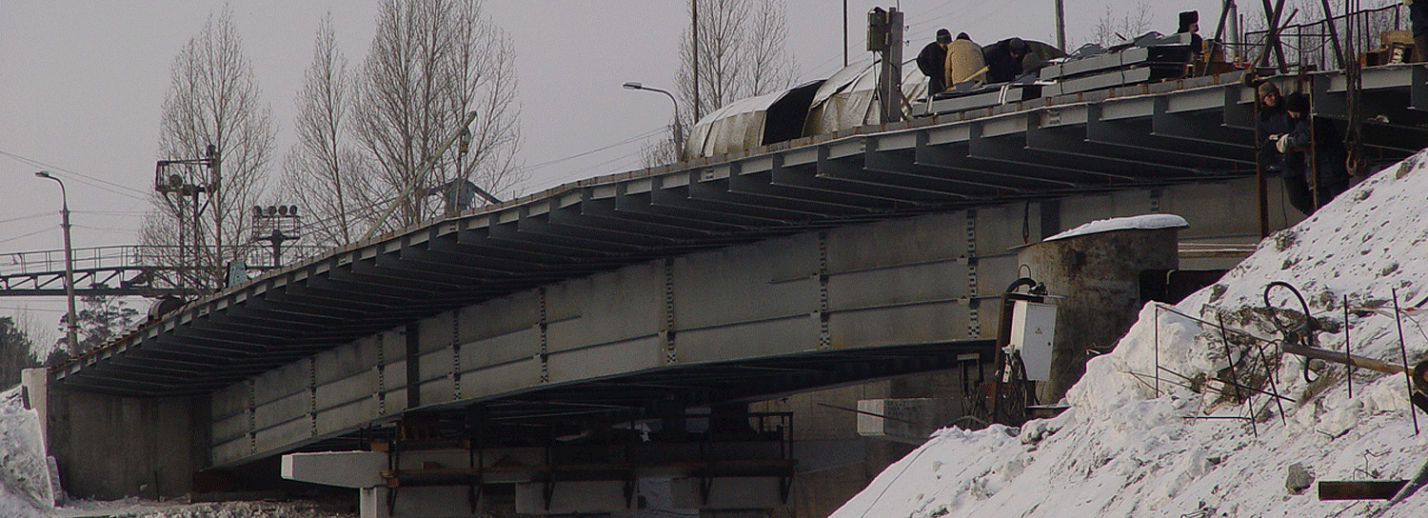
x=1309, y=153
x=947, y=61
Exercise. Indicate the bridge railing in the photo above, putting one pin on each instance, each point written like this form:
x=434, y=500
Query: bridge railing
x=1312, y=45
x=89, y=258
x=132, y=257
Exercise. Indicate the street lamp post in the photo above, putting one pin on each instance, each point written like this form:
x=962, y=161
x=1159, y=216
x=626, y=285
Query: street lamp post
x=68, y=265
x=678, y=129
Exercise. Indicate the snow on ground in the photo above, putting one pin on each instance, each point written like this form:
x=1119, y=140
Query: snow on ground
x=135, y=508
x=24, y=471
x=1121, y=451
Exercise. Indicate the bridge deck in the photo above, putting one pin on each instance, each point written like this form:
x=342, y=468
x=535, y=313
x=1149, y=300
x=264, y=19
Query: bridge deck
x=1172, y=133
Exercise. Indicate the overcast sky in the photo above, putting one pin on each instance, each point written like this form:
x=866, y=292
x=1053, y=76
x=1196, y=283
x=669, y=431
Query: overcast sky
x=82, y=83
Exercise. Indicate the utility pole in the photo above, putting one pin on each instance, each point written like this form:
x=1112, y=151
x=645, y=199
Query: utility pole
x=1061, y=25
x=73, y=318
x=844, y=33
x=885, y=37
x=694, y=43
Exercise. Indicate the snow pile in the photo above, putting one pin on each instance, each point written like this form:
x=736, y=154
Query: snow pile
x=1123, y=451
x=1144, y=222
x=24, y=471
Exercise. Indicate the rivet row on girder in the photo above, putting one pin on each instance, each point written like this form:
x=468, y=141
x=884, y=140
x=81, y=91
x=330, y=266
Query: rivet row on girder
x=252, y=416
x=312, y=394
x=456, y=355
x=825, y=338
x=381, y=369
x=974, y=325
x=671, y=355
x=544, y=337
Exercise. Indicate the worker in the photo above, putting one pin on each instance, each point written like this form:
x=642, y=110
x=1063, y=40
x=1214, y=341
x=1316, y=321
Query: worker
x=1004, y=60
x=1272, y=123
x=1418, y=21
x=964, y=61
x=931, y=61
x=1316, y=140
x=1190, y=24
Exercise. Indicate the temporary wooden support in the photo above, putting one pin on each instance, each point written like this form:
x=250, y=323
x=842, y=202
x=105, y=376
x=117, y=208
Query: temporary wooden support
x=1359, y=489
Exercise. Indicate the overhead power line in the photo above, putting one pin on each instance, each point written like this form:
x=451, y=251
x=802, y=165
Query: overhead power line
x=81, y=177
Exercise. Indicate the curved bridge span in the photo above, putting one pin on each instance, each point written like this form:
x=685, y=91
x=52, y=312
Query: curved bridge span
x=820, y=263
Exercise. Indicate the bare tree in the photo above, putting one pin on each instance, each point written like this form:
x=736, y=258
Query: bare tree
x=742, y=53
x=213, y=100
x=1111, y=29
x=431, y=63
x=322, y=172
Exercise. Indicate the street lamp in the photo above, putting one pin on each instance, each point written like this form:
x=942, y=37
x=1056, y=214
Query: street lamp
x=678, y=130
x=68, y=265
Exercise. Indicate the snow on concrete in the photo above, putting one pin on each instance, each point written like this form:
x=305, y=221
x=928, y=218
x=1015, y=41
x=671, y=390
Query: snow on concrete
x=135, y=508
x=1144, y=222
x=1123, y=450
x=24, y=472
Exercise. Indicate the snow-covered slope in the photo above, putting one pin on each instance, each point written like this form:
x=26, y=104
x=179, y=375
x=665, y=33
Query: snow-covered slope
x=1123, y=451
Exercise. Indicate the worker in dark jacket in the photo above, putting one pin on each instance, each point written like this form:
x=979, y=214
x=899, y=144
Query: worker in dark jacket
x=1190, y=24
x=1316, y=140
x=931, y=61
x=1004, y=60
x=1272, y=123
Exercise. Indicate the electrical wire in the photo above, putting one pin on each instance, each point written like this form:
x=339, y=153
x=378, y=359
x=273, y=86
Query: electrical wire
x=22, y=236
x=27, y=218
x=81, y=178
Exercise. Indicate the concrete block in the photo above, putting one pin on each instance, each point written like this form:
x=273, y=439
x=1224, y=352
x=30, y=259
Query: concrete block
x=354, y=469
x=604, y=496
x=417, y=502
x=727, y=493
x=908, y=421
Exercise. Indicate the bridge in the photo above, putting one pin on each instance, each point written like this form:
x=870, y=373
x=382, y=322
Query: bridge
x=712, y=284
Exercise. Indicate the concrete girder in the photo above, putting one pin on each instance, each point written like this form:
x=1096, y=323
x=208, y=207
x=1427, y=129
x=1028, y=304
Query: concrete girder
x=539, y=237
x=575, y=221
x=1009, y=145
x=718, y=195
x=956, y=158
x=1198, y=127
x=761, y=186
x=644, y=206
x=1137, y=132
x=1070, y=140
x=636, y=217
x=904, y=163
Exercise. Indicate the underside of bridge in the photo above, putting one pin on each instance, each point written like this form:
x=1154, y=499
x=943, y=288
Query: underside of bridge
x=711, y=284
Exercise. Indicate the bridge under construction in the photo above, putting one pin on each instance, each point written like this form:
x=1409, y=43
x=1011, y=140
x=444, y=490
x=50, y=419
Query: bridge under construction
x=559, y=351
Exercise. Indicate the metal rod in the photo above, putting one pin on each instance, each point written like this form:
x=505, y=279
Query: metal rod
x=1407, y=378
x=421, y=175
x=1157, y=350
x=1336, y=357
x=1273, y=385
x=1348, y=358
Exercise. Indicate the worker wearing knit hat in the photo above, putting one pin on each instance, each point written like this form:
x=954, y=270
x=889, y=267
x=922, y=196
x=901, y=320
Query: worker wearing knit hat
x=932, y=60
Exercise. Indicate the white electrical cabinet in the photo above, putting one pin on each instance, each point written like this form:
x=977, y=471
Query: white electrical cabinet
x=1033, y=331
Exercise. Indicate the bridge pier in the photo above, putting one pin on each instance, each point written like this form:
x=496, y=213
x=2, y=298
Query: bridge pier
x=111, y=447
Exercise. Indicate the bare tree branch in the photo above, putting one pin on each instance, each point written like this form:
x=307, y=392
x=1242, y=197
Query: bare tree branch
x=432, y=62
x=214, y=99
